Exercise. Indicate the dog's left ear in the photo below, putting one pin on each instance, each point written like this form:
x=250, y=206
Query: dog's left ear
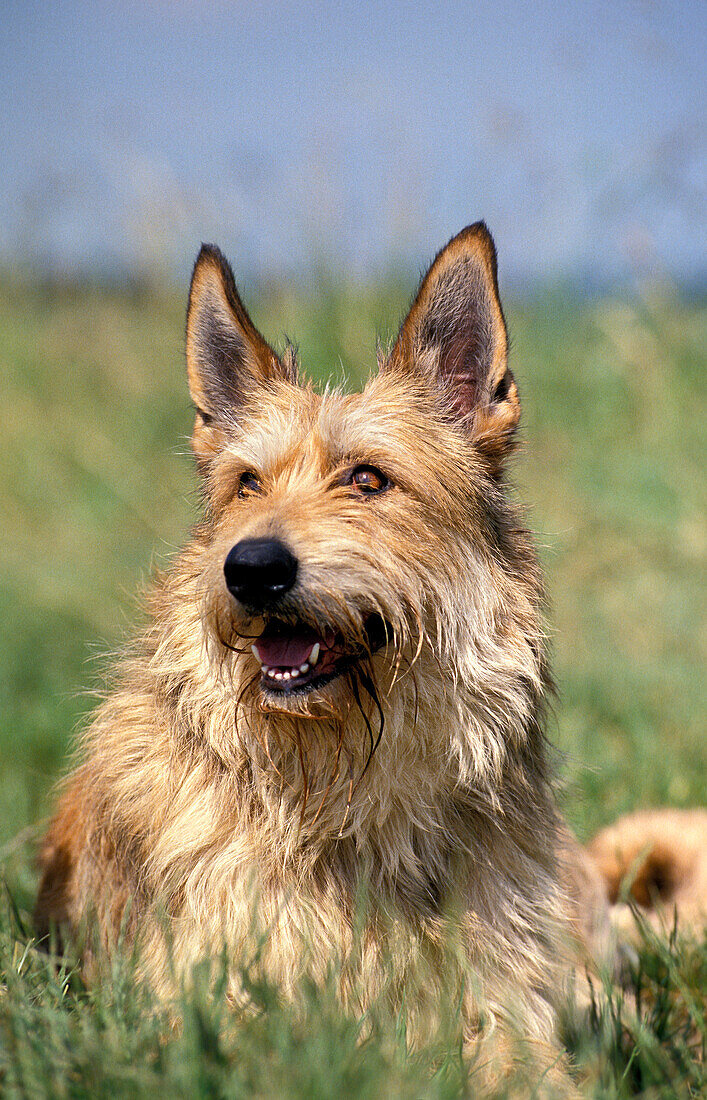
x=455, y=335
x=228, y=361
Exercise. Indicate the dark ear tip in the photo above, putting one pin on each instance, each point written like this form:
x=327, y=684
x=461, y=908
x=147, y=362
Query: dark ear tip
x=208, y=250
x=479, y=231
x=212, y=255
x=474, y=239
x=212, y=258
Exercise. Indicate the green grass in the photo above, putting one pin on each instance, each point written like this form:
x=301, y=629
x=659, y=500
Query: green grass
x=96, y=484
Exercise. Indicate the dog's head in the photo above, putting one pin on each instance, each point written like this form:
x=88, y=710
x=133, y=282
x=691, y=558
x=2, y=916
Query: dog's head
x=349, y=534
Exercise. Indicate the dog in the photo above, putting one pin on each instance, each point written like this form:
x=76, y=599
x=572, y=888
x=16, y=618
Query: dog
x=342, y=690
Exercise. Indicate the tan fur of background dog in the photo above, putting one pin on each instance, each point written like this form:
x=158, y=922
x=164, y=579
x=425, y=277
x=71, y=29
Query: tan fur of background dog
x=202, y=801
x=654, y=862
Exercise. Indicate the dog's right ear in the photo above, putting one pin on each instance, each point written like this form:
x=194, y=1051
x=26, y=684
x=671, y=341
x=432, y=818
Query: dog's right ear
x=455, y=336
x=227, y=358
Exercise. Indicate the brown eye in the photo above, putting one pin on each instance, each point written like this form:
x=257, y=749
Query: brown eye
x=369, y=480
x=248, y=484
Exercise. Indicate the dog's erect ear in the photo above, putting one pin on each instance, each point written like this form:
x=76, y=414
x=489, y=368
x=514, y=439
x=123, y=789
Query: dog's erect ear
x=227, y=358
x=456, y=331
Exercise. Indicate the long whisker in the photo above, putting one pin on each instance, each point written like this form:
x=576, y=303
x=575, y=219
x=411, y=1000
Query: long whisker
x=369, y=684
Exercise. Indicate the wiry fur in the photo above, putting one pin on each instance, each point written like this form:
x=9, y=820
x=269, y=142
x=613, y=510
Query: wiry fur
x=419, y=776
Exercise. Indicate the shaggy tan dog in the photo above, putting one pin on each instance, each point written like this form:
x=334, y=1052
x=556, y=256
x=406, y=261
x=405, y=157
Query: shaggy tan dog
x=343, y=688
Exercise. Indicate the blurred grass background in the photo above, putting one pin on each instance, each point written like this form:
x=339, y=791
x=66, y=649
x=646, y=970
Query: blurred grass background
x=96, y=483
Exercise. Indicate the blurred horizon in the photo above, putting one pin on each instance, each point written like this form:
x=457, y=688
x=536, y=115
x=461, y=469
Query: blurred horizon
x=354, y=140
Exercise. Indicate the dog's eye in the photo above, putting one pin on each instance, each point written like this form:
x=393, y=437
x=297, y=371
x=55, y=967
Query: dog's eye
x=369, y=480
x=248, y=484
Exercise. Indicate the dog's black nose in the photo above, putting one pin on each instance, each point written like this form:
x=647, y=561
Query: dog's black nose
x=259, y=571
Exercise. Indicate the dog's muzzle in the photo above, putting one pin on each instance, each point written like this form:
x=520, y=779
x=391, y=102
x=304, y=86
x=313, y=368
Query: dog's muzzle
x=259, y=572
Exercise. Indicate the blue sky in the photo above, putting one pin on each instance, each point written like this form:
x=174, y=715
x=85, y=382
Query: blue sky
x=354, y=135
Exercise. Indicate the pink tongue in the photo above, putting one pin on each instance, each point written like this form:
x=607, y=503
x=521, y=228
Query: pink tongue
x=284, y=650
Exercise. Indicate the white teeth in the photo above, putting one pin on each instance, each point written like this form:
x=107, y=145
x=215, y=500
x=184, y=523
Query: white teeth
x=292, y=673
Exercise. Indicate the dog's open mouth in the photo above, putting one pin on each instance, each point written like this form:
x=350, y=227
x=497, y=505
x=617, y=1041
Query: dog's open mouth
x=296, y=658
